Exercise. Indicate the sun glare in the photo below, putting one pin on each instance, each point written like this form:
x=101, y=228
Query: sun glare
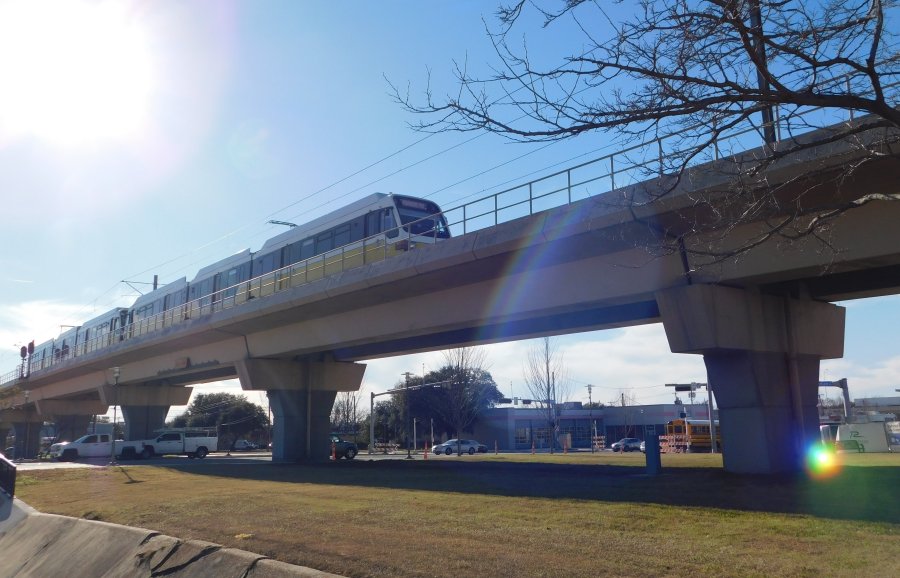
x=74, y=72
x=821, y=462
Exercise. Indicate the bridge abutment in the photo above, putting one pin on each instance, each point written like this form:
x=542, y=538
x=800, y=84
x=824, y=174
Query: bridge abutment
x=762, y=355
x=301, y=394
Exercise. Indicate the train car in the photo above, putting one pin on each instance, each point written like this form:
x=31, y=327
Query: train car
x=218, y=286
x=64, y=345
x=101, y=331
x=371, y=229
x=159, y=308
x=691, y=435
x=368, y=230
x=41, y=357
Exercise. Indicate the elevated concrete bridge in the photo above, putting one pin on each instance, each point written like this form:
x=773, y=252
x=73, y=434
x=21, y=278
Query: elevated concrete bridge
x=762, y=321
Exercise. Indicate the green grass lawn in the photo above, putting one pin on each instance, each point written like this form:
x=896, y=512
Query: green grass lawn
x=509, y=515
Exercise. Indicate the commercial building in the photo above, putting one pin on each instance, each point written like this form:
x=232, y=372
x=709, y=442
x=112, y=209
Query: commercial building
x=517, y=427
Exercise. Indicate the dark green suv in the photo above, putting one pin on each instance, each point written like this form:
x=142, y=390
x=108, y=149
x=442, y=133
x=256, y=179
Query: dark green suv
x=343, y=448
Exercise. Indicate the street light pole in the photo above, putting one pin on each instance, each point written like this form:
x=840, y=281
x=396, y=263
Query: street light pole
x=371, y=422
x=25, y=449
x=406, y=390
x=112, y=435
x=408, y=451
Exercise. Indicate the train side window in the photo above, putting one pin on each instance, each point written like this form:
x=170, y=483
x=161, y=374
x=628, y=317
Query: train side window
x=342, y=235
x=357, y=229
x=266, y=263
x=373, y=223
x=388, y=223
x=303, y=250
x=324, y=242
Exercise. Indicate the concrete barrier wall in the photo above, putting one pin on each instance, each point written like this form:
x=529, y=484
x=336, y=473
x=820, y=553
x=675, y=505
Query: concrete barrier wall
x=36, y=545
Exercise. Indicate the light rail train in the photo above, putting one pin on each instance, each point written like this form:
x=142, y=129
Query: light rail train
x=373, y=228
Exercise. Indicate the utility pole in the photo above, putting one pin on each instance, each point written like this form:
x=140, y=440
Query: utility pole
x=591, y=416
x=371, y=422
x=406, y=395
x=552, y=410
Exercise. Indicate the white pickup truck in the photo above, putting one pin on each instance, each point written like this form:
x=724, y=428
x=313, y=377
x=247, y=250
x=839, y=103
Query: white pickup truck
x=90, y=446
x=194, y=443
x=190, y=442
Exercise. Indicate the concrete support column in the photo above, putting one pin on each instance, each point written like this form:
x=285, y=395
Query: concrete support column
x=762, y=356
x=25, y=423
x=144, y=406
x=28, y=439
x=760, y=431
x=301, y=394
x=142, y=421
x=302, y=422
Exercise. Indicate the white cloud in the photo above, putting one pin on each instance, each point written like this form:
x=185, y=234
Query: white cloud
x=37, y=320
x=879, y=379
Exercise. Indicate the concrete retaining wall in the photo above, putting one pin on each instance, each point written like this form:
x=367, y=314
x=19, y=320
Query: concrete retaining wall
x=39, y=545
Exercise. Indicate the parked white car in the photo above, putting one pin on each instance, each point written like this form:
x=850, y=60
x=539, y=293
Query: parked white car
x=463, y=446
x=244, y=446
x=627, y=445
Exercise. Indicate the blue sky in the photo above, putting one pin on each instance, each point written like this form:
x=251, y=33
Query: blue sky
x=142, y=138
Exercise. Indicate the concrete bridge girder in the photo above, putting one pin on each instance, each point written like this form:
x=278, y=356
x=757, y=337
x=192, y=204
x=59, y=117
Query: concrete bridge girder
x=61, y=407
x=301, y=394
x=762, y=355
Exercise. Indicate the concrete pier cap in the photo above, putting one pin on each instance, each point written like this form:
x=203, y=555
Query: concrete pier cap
x=144, y=406
x=762, y=355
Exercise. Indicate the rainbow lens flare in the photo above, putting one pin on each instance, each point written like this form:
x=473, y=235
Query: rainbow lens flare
x=821, y=461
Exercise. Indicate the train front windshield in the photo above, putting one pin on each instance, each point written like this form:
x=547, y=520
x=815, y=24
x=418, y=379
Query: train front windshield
x=421, y=217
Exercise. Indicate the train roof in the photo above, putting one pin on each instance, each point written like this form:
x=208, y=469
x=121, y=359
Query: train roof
x=103, y=318
x=160, y=292
x=223, y=265
x=327, y=220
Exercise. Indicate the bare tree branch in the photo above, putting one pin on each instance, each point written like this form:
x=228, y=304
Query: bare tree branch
x=695, y=70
